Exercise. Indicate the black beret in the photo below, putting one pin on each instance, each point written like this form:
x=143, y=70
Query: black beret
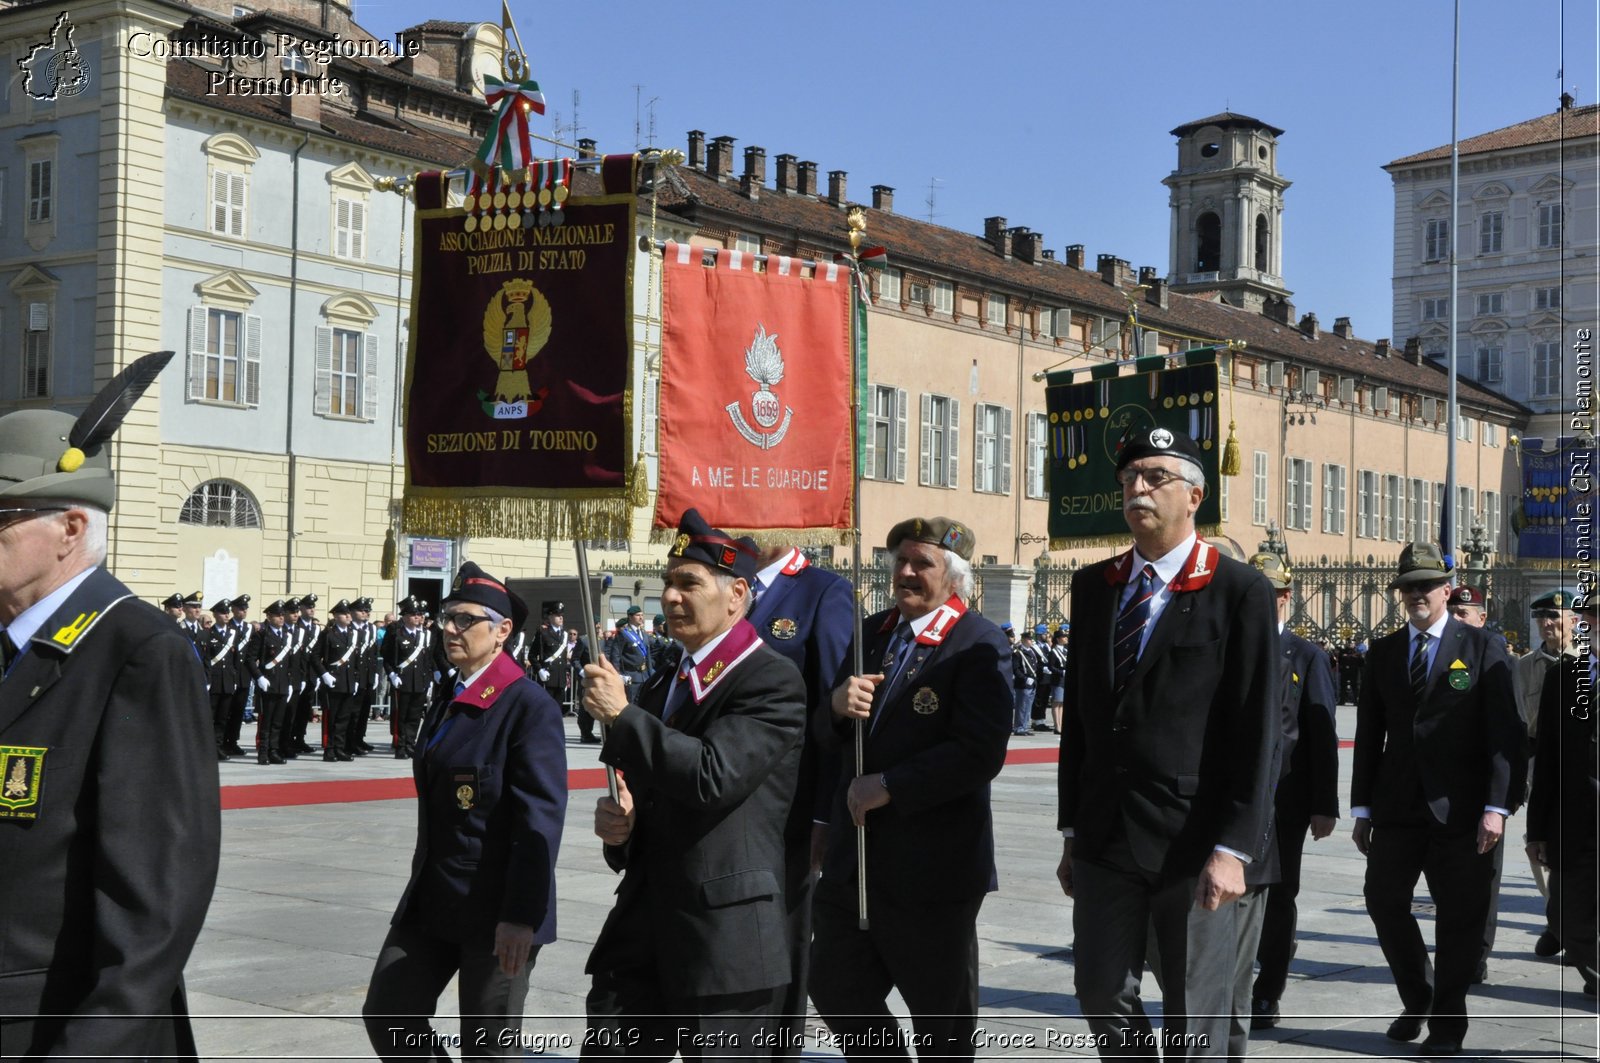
x=942, y=532
x=473, y=584
x=699, y=541
x=1157, y=442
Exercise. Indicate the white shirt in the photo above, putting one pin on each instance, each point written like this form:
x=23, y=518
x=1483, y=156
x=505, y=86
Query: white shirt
x=27, y=623
x=692, y=660
x=1167, y=567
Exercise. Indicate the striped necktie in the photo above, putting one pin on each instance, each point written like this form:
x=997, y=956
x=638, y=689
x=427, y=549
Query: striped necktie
x=680, y=691
x=1129, y=630
x=1419, y=667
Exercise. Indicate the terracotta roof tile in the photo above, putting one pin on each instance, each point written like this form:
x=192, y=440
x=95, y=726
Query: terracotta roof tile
x=1574, y=124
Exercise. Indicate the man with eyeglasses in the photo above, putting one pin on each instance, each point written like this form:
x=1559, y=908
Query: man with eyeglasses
x=491, y=778
x=1439, y=764
x=109, y=817
x=1167, y=759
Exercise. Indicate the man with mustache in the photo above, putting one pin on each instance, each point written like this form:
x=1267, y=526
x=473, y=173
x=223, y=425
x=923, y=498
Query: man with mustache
x=1166, y=759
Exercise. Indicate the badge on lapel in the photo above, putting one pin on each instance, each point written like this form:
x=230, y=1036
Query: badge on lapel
x=925, y=702
x=1459, y=678
x=21, y=769
x=466, y=780
x=784, y=628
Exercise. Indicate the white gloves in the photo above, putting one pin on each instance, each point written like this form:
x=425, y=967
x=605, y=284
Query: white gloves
x=355, y=688
x=262, y=683
x=328, y=680
x=394, y=680
x=544, y=675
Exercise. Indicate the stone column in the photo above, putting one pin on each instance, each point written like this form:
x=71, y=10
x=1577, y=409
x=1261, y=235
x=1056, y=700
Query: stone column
x=1005, y=593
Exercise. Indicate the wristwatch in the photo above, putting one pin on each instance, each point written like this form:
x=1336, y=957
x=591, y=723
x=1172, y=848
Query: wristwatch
x=883, y=781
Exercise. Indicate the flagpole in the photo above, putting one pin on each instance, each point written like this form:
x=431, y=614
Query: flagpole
x=586, y=609
x=858, y=227
x=1447, y=526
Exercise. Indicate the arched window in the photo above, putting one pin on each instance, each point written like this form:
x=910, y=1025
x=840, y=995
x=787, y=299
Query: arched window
x=221, y=504
x=1208, y=249
x=1261, y=243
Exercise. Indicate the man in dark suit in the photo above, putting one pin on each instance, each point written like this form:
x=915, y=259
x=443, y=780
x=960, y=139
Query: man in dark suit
x=936, y=710
x=491, y=800
x=219, y=652
x=1554, y=620
x=690, y=955
x=1562, y=803
x=109, y=816
x=807, y=614
x=1306, y=799
x=549, y=652
x=1439, y=765
x=1167, y=759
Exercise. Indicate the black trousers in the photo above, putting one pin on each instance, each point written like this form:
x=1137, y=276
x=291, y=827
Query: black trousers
x=336, y=712
x=355, y=731
x=221, y=707
x=405, y=717
x=1292, y=821
x=1571, y=910
x=304, y=706
x=789, y=1002
x=927, y=951
x=413, y=969
x=270, y=709
x=1458, y=877
x=236, y=710
x=632, y=1015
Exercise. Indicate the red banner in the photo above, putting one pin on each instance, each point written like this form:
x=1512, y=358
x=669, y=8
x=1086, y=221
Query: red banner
x=755, y=393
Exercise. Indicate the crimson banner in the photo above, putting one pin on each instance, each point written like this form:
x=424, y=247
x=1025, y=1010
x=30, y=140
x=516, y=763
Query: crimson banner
x=755, y=393
x=517, y=417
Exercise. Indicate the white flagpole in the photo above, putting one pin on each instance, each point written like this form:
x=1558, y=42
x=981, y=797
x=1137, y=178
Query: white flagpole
x=1451, y=532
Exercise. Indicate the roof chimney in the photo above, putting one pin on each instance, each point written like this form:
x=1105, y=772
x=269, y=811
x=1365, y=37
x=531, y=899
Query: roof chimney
x=1108, y=270
x=755, y=164
x=787, y=178
x=808, y=179
x=719, y=158
x=1308, y=325
x=1279, y=309
x=1027, y=244
x=883, y=198
x=997, y=235
x=697, y=148
x=836, y=194
x=1566, y=101
x=1341, y=328
x=1414, y=350
x=586, y=146
x=1381, y=349
x=1157, y=295
x=1075, y=256
x=1147, y=274
x=1049, y=254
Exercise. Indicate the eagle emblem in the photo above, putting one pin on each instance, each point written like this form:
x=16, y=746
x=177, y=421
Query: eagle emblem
x=516, y=326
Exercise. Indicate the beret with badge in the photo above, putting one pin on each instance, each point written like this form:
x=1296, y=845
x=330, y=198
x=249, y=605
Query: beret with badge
x=942, y=532
x=1465, y=595
x=699, y=541
x=473, y=584
x=1560, y=598
x=1157, y=442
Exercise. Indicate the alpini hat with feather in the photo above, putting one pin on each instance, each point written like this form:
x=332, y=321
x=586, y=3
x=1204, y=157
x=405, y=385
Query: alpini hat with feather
x=47, y=454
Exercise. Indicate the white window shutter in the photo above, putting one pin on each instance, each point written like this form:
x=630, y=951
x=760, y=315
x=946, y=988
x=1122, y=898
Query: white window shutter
x=324, y=383
x=925, y=460
x=358, y=229
x=953, y=440
x=369, y=377
x=197, y=352
x=869, y=435
x=979, y=436
x=252, y=360
x=900, y=435
x=219, y=202
x=341, y=227
x=1005, y=452
x=236, y=201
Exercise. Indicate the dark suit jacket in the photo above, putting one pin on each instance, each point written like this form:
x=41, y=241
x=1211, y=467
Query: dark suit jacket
x=1185, y=757
x=809, y=617
x=1457, y=751
x=273, y=657
x=1562, y=804
x=105, y=888
x=939, y=739
x=402, y=645
x=702, y=892
x=1311, y=766
x=219, y=653
x=495, y=860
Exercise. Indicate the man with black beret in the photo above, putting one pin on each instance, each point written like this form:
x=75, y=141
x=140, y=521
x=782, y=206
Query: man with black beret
x=691, y=953
x=1439, y=765
x=338, y=671
x=273, y=671
x=109, y=820
x=935, y=706
x=1167, y=758
x=491, y=777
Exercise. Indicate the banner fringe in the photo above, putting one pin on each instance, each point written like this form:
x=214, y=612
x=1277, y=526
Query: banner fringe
x=517, y=518
x=1087, y=542
x=769, y=537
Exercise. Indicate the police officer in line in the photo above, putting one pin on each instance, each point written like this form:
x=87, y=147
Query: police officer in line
x=192, y=606
x=629, y=650
x=1024, y=678
x=173, y=604
x=550, y=651
x=408, y=658
x=368, y=670
x=219, y=651
x=244, y=649
x=272, y=670
x=305, y=704
x=664, y=652
x=520, y=649
x=339, y=671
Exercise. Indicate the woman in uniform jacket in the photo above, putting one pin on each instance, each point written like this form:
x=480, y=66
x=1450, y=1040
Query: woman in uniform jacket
x=491, y=774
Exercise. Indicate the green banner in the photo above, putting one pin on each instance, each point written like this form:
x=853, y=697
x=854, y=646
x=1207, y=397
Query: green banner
x=1090, y=419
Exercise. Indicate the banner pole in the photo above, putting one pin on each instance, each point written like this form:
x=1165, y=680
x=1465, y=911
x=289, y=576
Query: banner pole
x=586, y=610
x=858, y=226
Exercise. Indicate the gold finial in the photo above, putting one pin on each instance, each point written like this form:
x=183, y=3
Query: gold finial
x=1516, y=440
x=669, y=157
x=857, y=221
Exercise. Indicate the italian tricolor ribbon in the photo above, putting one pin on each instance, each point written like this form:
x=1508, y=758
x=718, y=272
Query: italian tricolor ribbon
x=508, y=143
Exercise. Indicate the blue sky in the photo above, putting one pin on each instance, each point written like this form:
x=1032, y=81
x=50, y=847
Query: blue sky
x=1056, y=115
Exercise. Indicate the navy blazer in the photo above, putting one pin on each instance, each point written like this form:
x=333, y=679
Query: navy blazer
x=1185, y=757
x=809, y=617
x=1462, y=746
x=1310, y=779
x=939, y=740
x=488, y=855
x=1562, y=804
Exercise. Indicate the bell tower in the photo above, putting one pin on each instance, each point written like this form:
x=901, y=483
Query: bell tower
x=1227, y=210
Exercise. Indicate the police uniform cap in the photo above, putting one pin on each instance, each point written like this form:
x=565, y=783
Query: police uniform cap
x=410, y=606
x=340, y=608
x=1155, y=441
x=1274, y=568
x=241, y=602
x=222, y=606
x=473, y=584
x=308, y=601
x=362, y=605
x=942, y=532
x=1420, y=563
x=699, y=541
x=554, y=609
x=275, y=609
x=193, y=598
x=173, y=601
x=1027, y=633
x=1560, y=598
x=292, y=605
x=1464, y=595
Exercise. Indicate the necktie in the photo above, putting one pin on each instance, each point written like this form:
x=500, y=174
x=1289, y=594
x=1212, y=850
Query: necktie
x=894, y=655
x=680, y=692
x=8, y=653
x=449, y=718
x=1129, y=630
x=757, y=589
x=1419, y=667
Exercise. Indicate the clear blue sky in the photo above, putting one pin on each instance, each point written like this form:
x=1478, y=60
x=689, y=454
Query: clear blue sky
x=1056, y=115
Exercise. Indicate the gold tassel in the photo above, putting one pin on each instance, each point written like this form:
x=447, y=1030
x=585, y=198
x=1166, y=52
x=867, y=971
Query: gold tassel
x=639, y=489
x=389, y=567
x=1230, y=452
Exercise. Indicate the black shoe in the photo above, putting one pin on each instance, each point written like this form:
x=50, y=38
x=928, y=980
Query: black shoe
x=261, y=758
x=233, y=749
x=590, y=740
x=1263, y=1014
x=329, y=757
x=1405, y=1028
x=276, y=758
x=401, y=754
x=1439, y=1046
x=301, y=747
x=221, y=755
x=343, y=756
x=1547, y=945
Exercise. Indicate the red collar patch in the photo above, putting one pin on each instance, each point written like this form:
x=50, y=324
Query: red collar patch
x=1197, y=570
x=794, y=564
x=944, y=618
x=495, y=681
x=740, y=642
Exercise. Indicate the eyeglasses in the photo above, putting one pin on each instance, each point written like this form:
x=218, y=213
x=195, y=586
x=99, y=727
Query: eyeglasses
x=8, y=517
x=1155, y=479
x=462, y=622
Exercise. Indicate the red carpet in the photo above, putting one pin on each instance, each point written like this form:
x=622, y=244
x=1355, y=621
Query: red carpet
x=342, y=791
